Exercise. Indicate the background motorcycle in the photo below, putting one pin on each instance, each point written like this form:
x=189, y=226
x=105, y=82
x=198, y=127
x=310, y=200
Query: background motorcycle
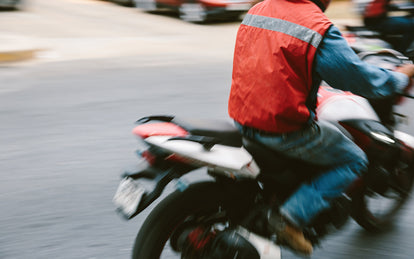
x=363, y=39
x=224, y=216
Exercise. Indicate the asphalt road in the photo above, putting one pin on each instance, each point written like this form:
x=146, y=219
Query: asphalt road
x=65, y=138
x=66, y=120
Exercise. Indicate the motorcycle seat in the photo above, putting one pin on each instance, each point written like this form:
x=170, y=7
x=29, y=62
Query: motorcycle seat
x=278, y=165
x=223, y=130
x=365, y=32
x=362, y=31
x=408, y=7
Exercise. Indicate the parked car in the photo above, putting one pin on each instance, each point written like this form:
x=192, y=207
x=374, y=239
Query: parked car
x=10, y=4
x=124, y=2
x=199, y=10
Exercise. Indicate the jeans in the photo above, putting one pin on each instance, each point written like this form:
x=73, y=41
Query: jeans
x=321, y=144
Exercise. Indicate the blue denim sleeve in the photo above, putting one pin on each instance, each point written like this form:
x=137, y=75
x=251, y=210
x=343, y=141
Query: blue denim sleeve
x=338, y=65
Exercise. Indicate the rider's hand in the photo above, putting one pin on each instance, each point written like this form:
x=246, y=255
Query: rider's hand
x=407, y=69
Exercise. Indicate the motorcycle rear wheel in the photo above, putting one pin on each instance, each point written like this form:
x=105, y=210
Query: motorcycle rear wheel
x=202, y=199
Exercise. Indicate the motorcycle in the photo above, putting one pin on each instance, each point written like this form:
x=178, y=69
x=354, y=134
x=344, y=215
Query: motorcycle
x=225, y=214
x=363, y=39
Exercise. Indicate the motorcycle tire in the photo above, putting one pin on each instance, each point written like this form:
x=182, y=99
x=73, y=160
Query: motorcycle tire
x=202, y=198
x=374, y=221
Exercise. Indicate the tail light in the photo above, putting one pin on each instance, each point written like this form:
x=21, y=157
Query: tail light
x=148, y=156
x=147, y=130
x=350, y=37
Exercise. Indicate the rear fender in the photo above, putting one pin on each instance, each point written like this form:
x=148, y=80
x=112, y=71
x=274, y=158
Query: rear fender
x=152, y=181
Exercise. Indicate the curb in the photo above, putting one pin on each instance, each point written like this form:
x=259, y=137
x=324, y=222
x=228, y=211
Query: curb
x=17, y=55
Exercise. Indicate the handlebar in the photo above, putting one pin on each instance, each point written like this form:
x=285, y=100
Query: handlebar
x=407, y=95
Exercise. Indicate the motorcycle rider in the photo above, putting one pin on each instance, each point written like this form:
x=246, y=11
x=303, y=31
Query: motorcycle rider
x=284, y=49
x=375, y=14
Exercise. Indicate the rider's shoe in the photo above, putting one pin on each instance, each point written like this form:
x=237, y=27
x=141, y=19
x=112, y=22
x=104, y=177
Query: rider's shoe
x=289, y=235
x=295, y=239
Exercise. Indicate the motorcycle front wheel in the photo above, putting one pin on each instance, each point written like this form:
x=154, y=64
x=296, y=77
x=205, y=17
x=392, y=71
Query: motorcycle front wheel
x=206, y=204
x=374, y=211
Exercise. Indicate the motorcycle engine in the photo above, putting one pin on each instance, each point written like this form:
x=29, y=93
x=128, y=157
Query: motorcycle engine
x=330, y=220
x=229, y=244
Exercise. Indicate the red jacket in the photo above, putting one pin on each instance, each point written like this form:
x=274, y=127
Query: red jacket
x=273, y=61
x=376, y=8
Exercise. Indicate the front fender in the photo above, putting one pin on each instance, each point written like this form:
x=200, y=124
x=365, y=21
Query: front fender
x=404, y=137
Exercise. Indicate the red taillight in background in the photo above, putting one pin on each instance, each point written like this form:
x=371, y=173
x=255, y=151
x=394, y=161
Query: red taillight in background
x=150, y=158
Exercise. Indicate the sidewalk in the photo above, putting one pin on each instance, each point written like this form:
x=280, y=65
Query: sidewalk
x=17, y=46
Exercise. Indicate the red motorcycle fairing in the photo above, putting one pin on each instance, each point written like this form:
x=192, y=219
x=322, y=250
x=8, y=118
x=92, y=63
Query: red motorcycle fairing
x=159, y=129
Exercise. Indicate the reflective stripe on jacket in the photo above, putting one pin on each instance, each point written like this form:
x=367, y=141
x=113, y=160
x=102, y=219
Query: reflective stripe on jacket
x=272, y=67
